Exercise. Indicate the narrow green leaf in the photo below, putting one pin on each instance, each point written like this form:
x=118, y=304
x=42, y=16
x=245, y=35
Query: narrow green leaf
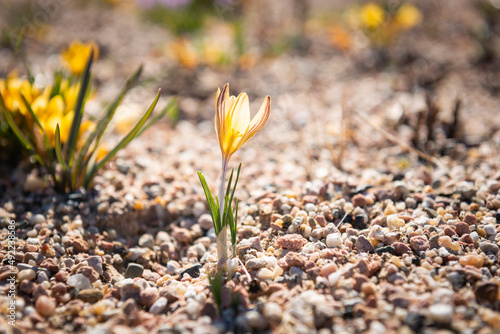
x=59, y=149
x=124, y=142
x=83, y=159
x=13, y=126
x=170, y=106
x=78, y=112
x=235, y=183
x=46, y=141
x=212, y=205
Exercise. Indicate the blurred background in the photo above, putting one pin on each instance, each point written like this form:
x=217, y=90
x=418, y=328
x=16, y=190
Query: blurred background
x=425, y=73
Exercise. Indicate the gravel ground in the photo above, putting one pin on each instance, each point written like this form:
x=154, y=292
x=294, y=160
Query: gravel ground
x=343, y=229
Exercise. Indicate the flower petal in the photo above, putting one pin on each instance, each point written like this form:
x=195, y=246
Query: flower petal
x=258, y=121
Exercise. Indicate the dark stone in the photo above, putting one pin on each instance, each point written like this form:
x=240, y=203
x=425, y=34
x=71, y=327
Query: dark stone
x=415, y=321
x=135, y=270
x=486, y=292
x=385, y=249
x=193, y=271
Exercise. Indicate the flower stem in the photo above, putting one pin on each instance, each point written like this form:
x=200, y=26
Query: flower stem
x=221, y=238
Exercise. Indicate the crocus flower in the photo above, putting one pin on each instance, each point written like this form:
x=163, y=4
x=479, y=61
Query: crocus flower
x=75, y=57
x=372, y=15
x=232, y=121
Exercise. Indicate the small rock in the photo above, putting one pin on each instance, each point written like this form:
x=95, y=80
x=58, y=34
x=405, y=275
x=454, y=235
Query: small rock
x=401, y=248
x=80, y=246
x=90, y=295
x=488, y=247
x=95, y=262
x=182, y=235
x=486, y=292
x=470, y=219
x=159, y=306
x=419, y=243
x=359, y=200
x=193, y=271
x=490, y=229
x=462, y=228
x=255, y=320
x=273, y=312
x=247, y=244
x=26, y=274
x=363, y=245
x=441, y=313
x=45, y=306
x=146, y=240
x=472, y=260
x=264, y=274
x=294, y=259
x=256, y=263
x=37, y=219
x=205, y=221
x=79, y=281
x=333, y=240
x=293, y=242
x=134, y=270
x=148, y=297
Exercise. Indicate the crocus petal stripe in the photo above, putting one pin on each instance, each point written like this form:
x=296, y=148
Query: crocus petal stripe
x=232, y=120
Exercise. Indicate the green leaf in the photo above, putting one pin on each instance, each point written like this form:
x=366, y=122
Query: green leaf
x=13, y=126
x=124, y=142
x=172, y=105
x=58, y=150
x=212, y=204
x=46, y=141
x=78, y=112
x=81, y=160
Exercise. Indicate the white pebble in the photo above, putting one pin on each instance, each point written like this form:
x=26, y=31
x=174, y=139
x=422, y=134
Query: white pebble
x=333, y=240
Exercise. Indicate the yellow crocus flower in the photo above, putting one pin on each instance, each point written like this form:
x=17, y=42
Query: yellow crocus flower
x=55, y=106
x=75, y=57
x=232, y=120
x=408, y=16
x=372, y=15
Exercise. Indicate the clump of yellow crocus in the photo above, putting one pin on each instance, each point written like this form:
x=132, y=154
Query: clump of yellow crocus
x=234, y=128
x=74, y=58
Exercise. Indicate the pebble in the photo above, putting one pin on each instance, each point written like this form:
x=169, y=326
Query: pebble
x=79, y=281
x=462, y=228
x=90, y=295
x=256, y=263
x=159, y=306
x=193, y=271
x=205, y=221
x=401, y=248
x=394, y=222
x=419, y=243
x=148, y=297
x=488, y=247
x=310, y=207
x=490, y=229
x=45, y=306
x=265, y=274
x=333, y=240
x=441, y=313
x=293, y=242
x=37, y=219
x=134, y=270
x=273, y=312
x=95, y=262
x=146, y=240
x=26, y=274
x=363, y=245
x=472, y=260
x=359, y=200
